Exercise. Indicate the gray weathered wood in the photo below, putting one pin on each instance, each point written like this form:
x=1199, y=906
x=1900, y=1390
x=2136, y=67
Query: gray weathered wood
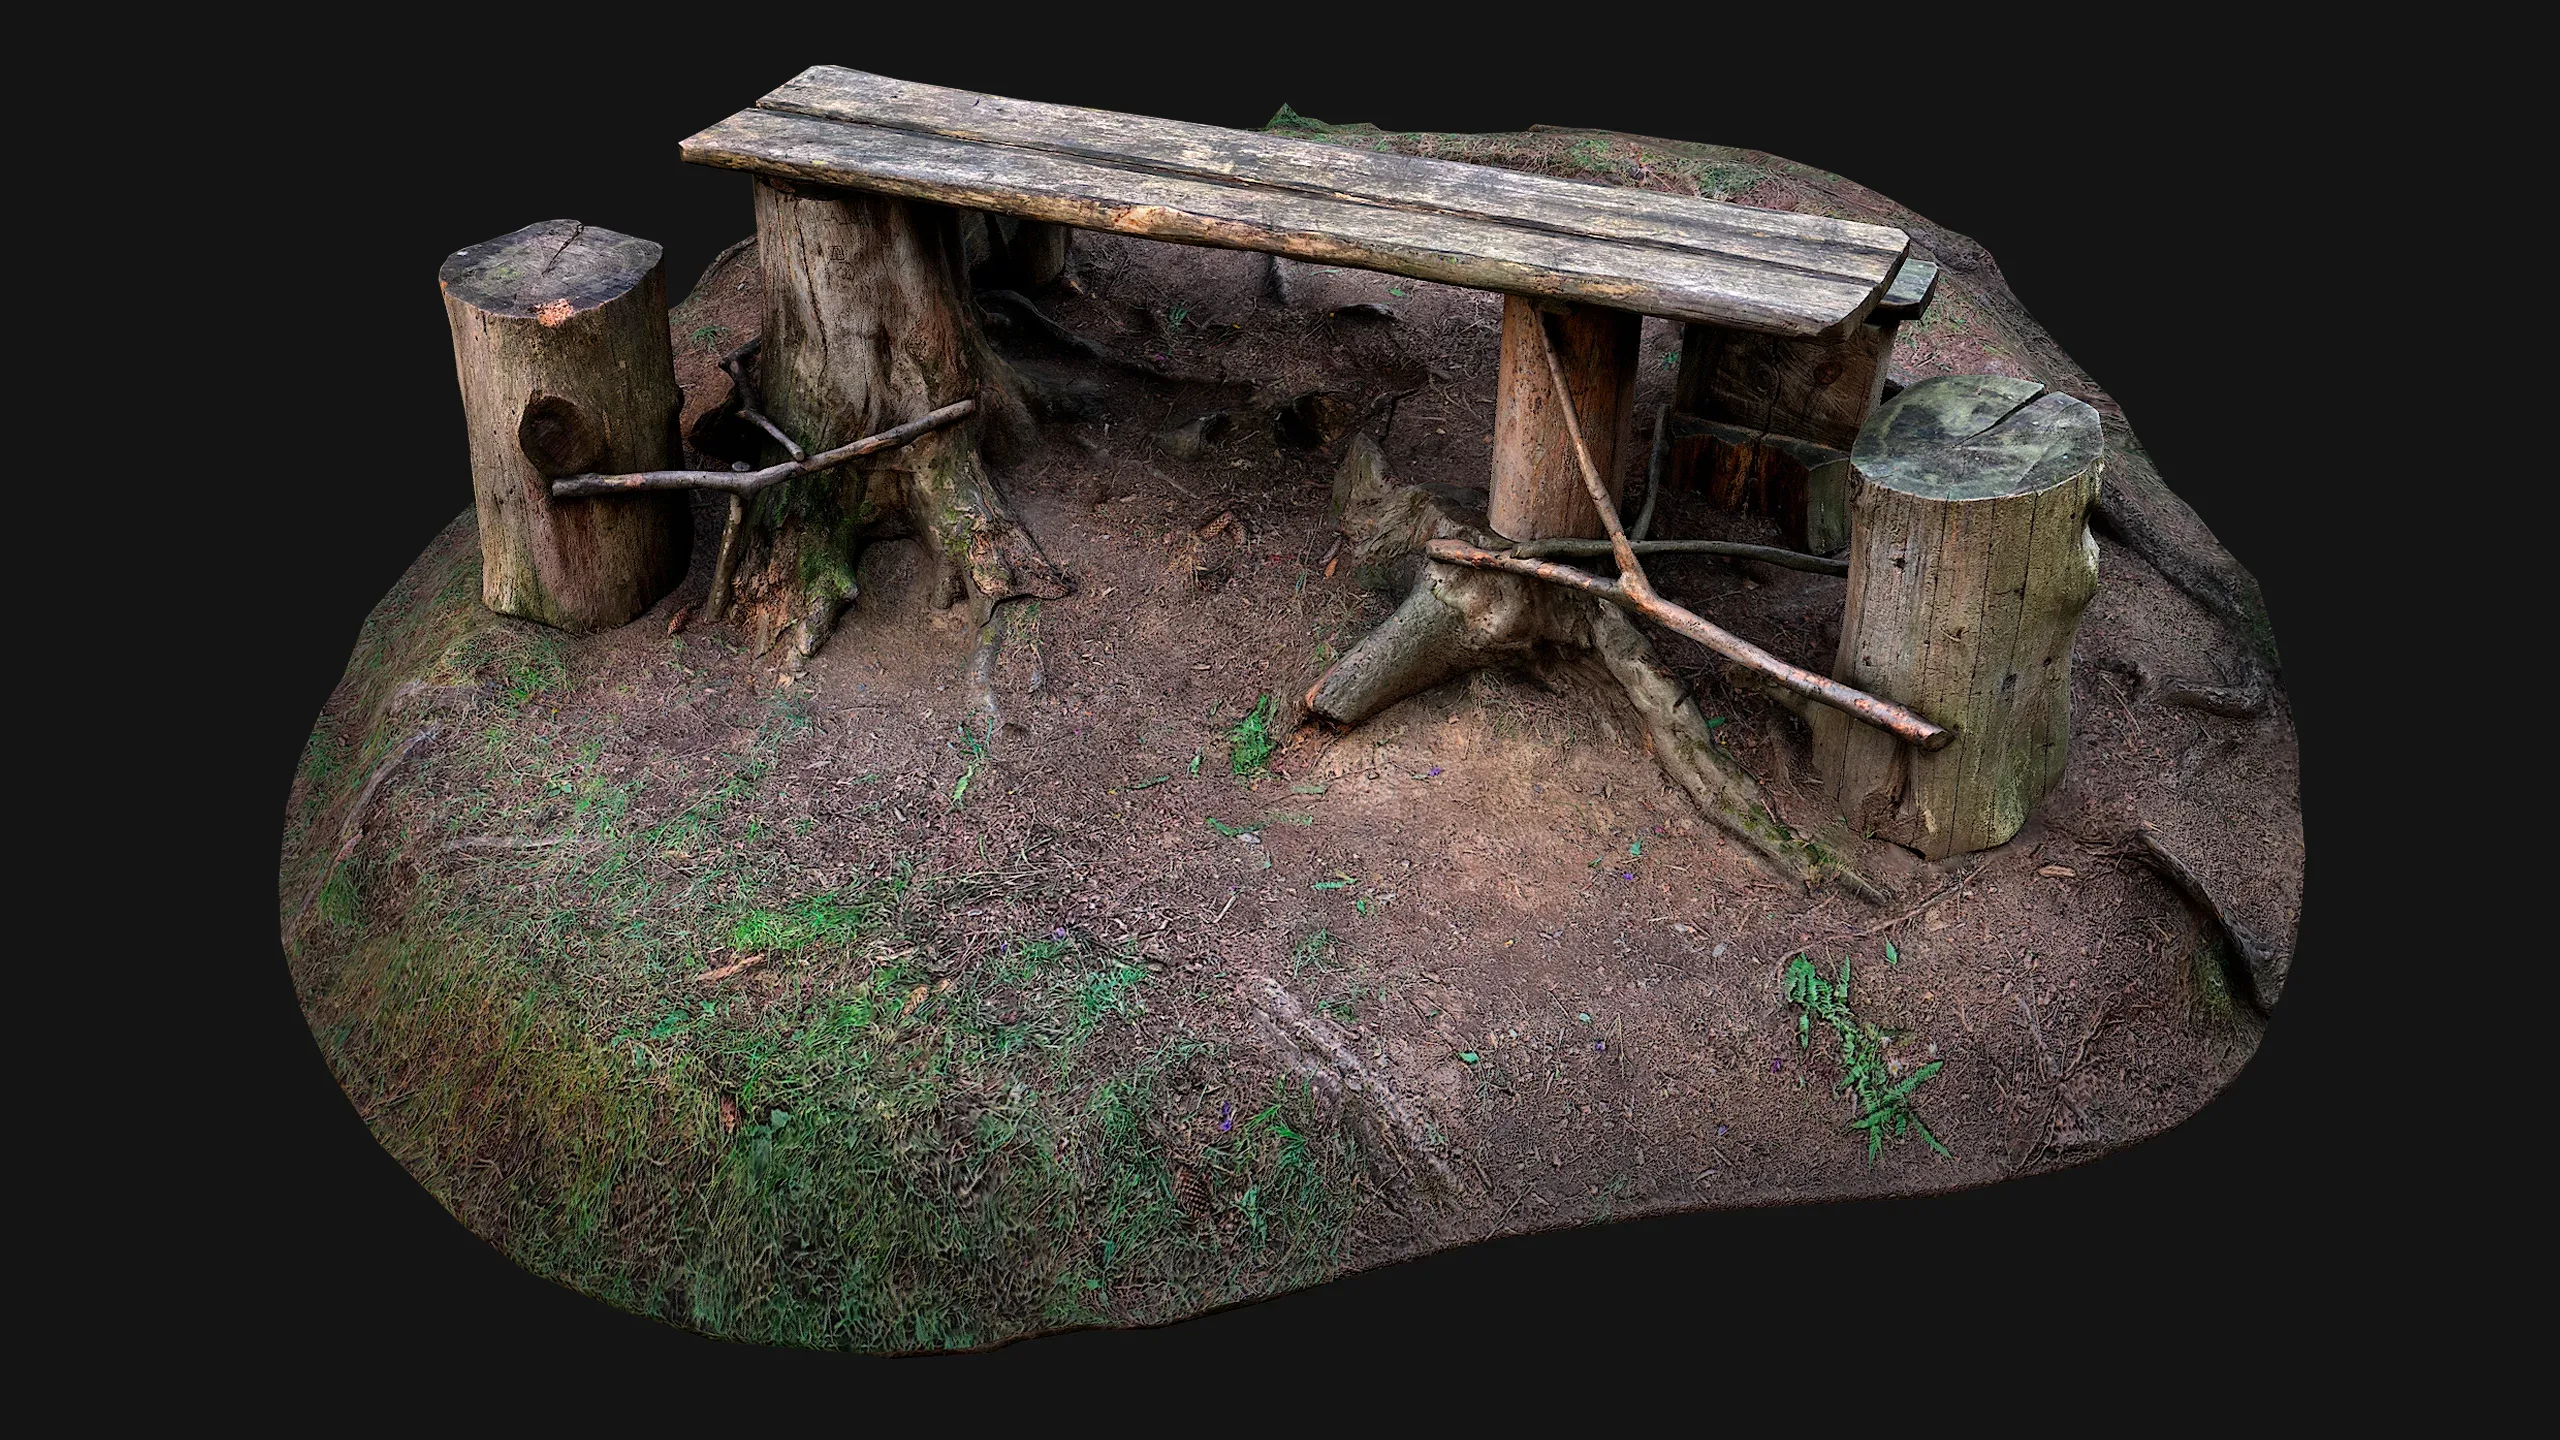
x=1910, y=290
x=1436, y=220
x=1970, y=561
x=560, y=345
x=869, y=323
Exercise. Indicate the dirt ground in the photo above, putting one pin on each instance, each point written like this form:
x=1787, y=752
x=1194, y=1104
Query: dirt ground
x=1532, y=944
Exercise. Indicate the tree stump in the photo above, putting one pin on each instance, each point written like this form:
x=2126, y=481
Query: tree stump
x=560, y=343
x=1970, y=560
x=870, y=323
x=1537, y=484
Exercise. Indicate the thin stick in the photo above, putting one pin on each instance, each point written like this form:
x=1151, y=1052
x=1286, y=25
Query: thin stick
x=1653, y=473
x=718, y=603
x=570, y=487
x=1630, y=574
x=749, y=411
x=1883, y=714
x=1767, y=554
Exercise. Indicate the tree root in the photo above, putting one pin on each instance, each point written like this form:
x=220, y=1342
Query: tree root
x=1458, y=618
x=1316, y=1050
x=351, y=830
x=2260, y=970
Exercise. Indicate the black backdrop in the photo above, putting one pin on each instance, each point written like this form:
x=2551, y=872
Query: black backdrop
x=2086, y=182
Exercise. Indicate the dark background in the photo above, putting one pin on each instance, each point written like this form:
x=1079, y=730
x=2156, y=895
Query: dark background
x=2139, y=194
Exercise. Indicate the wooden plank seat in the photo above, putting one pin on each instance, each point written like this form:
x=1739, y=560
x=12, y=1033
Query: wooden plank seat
x=1473, y=225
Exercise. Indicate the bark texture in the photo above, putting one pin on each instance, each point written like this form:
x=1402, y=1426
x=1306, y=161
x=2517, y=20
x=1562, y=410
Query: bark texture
x=869, y=324
x=1970, y=560
x=560, y=345
x=1537, y=484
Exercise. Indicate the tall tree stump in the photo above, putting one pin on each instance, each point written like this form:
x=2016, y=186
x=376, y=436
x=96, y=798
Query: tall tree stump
x=870, y=324
x=1970, y=560
x=1537, y=491
x=560, y=342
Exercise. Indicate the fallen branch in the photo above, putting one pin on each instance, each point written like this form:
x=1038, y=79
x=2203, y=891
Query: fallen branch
x=2228, y=701
x=1059, y=334
x=1731, y=549
x=1632, y=591
x=725, y=971
x=570, y=487
x=1653, y=472
x=1883, y=714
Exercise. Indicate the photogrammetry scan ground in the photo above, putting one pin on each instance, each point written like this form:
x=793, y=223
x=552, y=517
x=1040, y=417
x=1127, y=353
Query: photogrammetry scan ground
x=773, y=1002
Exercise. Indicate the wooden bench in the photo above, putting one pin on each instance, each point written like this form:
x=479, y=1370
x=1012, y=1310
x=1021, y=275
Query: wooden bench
x=1599, y=257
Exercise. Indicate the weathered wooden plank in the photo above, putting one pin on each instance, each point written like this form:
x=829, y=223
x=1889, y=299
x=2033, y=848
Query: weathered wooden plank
x=1815, y=244
x=1456, y=250
x=1908, y=293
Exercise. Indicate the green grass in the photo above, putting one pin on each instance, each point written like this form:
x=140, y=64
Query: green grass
x=1882, y=1101
x=1249, y=744
x=893, y=1148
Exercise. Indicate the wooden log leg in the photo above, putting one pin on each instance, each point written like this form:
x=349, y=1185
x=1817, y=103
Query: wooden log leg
x=1537, y=490
x=560, y=343
x=1970, y=561
x=869, y=324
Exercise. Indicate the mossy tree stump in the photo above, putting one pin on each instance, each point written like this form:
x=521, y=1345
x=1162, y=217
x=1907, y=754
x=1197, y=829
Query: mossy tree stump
x=870, y=324
x=560, y=343
x=1970, y=560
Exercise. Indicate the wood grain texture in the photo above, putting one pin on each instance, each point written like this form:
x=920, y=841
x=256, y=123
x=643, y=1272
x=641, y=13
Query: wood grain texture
x=1537, y=488
x=560, y=346
x=1435, y=220
x=1970, y=561
x=1820, y=390
x=1801, y=485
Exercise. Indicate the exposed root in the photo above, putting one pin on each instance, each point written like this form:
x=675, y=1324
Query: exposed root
x=1690, y=756
x=351, y=830
x=1316, y=1049
x=2231, y=702
x=2261, y=969
x=1458, y=618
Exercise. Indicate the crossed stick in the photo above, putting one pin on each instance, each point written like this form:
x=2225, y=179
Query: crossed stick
x=1633, y=592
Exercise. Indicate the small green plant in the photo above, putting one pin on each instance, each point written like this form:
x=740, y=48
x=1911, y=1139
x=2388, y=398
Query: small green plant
x=1881, y=1101
x=1249, y=744
x=1314, y=948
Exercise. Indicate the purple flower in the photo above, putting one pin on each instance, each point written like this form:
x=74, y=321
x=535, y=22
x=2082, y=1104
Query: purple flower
x=1435, y=769
x=1226, y=1115
x=1058, y=934
x=1599, y=1044
x=1776, y=1064
x=1626, y=874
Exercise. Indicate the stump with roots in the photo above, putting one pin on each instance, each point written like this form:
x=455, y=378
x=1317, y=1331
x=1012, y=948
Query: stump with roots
x=1459, y=618
x=870, y=323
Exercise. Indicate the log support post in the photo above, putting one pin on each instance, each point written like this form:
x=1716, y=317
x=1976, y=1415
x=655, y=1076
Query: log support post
x=560, y=344
x=1783, y=413
x=1537, y=489
x=1970, y=560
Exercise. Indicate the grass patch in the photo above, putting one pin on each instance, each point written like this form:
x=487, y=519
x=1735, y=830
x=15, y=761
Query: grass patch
x=1249, y=744
x=1882, y=1102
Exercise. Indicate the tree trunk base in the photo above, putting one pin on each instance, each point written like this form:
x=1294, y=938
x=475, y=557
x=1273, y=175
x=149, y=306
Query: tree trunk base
x=1458, y=618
